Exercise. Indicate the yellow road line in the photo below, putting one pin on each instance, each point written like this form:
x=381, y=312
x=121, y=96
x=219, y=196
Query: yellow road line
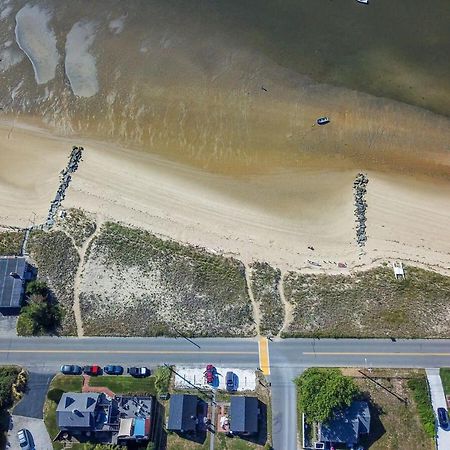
x=132, y=352
x=375, y=354
x=263, y=347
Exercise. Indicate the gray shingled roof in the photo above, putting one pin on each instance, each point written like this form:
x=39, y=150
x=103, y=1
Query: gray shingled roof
x=244, y=414
x=183, y=412
x=347, y=424
x=77, y=410
x=11, y=287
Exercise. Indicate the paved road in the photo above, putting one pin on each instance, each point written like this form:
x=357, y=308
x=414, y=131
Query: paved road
x=438, y=401
x=287, y=359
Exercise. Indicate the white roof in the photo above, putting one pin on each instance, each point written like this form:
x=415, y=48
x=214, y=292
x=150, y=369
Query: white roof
x=125, y=427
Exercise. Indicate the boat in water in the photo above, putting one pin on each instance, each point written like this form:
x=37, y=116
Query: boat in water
x=365, y=2
x=323, y=120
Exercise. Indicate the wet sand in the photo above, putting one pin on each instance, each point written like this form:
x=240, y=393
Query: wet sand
x=270, y=218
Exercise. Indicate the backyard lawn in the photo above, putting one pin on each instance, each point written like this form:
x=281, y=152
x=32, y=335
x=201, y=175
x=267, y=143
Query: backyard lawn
x=125, y=384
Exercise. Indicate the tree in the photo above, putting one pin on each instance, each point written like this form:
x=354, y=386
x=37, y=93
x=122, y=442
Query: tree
x=321, y=391
x=40, y=316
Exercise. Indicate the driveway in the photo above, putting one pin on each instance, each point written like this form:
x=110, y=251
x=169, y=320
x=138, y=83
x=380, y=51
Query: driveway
x=438, y=400
x=32, y=403
x=37, y=428
x=8, y=325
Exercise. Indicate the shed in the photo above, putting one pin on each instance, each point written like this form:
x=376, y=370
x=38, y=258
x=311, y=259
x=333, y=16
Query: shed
x=183, y=412
x=12, y=272
x=244, y=415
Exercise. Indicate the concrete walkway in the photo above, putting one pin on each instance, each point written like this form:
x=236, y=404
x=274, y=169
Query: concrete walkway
x=438, y=400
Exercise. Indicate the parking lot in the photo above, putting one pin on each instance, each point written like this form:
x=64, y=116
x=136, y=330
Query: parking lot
x=35, y=426
x=195, y=375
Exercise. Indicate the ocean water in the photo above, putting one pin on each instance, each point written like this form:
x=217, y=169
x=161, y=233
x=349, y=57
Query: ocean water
x=236, y=86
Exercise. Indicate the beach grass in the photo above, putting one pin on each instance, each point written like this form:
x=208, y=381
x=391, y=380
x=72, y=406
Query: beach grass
x=369, y=304
x=11, y=243
x=57, y=259
x=153, y=286
x=78, y=224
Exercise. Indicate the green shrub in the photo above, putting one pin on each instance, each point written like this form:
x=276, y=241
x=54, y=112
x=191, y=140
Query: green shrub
x=37, y=287
x=421, y=396
x=8, y=376
x=25, y=325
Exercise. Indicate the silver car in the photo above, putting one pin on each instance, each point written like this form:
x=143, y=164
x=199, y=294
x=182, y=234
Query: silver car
x=25, y=439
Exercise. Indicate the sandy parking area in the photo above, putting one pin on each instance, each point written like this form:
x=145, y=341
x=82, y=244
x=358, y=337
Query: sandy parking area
x=35, y=426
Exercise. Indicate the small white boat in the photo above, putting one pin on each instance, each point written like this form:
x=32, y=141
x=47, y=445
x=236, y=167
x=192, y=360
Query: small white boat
x=366, y=2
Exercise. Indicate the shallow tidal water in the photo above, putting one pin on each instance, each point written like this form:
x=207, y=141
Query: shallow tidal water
x=235, y=87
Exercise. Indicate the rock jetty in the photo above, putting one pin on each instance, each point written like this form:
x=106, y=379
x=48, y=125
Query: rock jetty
x=360, y=190
x=65, y=178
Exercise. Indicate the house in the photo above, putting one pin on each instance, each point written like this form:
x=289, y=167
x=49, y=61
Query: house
x=186, y=412
x=12, y=274
x=93, y=416
x=79, y=413
x=347, y=425
x=244, y=412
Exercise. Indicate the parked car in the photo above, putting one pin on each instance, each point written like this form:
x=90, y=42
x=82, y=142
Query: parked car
x=164, y=396
x=71, y=370
x=113, y=370
x=232, y=381
x=210, y=373
x=139, y=372
x=92, y=370
x=442, y=418
x=25, y=439
x=323, y=120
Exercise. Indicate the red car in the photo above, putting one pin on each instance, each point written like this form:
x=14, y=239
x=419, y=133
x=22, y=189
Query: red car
x=92, y=370
x=210, y=373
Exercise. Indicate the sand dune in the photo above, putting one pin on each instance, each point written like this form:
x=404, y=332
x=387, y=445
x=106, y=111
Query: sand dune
x=268, y=217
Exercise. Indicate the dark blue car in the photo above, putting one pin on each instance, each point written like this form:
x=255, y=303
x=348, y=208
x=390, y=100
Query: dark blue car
x=232, y=381
x=113, y=370
x=442, y=418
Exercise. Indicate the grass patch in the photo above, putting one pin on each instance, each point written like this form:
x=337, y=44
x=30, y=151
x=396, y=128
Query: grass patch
x=422, y=399
x=78, y=224
x=369, y=304
x=175, y=442
x=154, y=287
x=123, y=384
x=57, y=261
x=61, y=384
x=11, y=242
x=265, y=279
x=445, y=377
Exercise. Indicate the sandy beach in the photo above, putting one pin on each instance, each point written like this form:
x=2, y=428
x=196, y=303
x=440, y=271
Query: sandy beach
x=272, y=217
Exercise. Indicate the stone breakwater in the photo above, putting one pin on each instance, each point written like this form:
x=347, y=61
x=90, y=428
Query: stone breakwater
x=360, y=190
x=65, y=177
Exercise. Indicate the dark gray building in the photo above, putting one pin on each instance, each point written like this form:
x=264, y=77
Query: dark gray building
x=347, y=425
x=12, y=273
x=183, y=413
x=244, y=412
